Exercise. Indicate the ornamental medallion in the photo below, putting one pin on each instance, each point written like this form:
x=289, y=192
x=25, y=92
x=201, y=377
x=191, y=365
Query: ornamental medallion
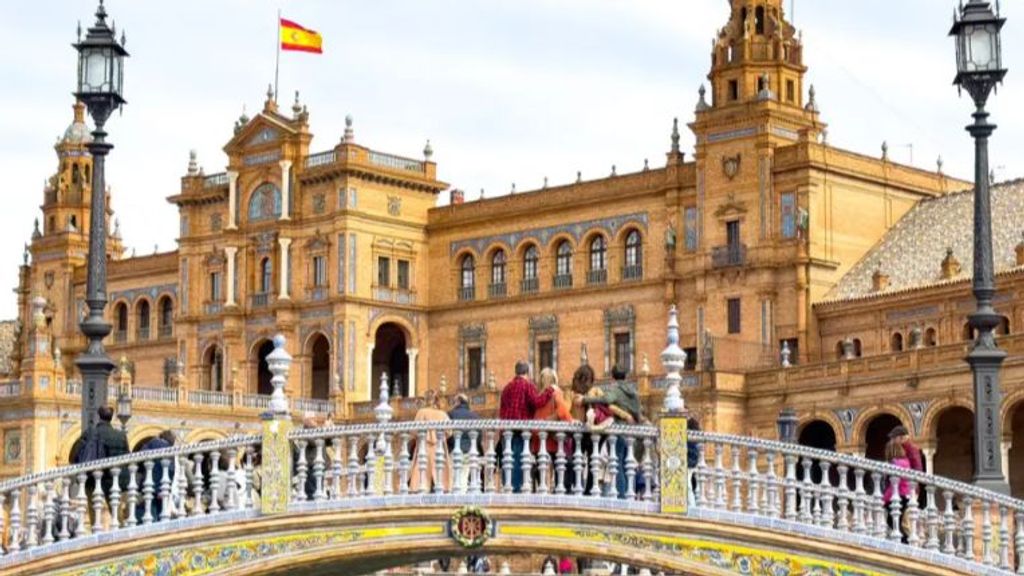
x=731, y=165
x=470, y=527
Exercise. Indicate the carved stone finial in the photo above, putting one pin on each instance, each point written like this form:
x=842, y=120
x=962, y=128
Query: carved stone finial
x=812, y=101
x=383, y=410
x=545, y=183
x=193, y=166
x=938, y=164
x=579, y=176
x=950, y=265
x=786, y=354
x=350, y=133
x=584, y=360
x=702, y=103
x=613, y=170
x=278, y=362
x=647, y=166
x=673, y=358
x=443, y=387
x=885, y=150
x=513, y=191
x=35, y=229
x=428, y=151
x=296, y=107
x=675, y=135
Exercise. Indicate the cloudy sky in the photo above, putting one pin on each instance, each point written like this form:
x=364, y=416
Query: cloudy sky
x=506, y=90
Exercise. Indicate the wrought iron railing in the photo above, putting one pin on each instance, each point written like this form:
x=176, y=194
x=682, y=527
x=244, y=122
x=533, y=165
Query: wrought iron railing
x=633, y=272
x=166, y=331
x=529, y=285
x=731, y=255
x=599, y=276
x=467, y=293
x=261, y=300
x=120, y=336
x=562, y=281
x=497, y=290
x=9, y=389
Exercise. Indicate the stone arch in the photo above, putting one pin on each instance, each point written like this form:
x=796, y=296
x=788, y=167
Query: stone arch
x=1013, y=428
x=523, y=245
x=556, y=240
x=264, y=202
x=410, y=330
x=860, y=425
x=896, y=342
x=463, y=252
x=204, y=435
x=318, y=348
x=142, y=310
x=165, y=313
x=213, y=367
x=494, y=247
x=818, y=421
x=139, y=434
x=260, y=371
x=930, y=420
x=588, y=235
x=121, y=316
x=68, y=444
x=954, y=443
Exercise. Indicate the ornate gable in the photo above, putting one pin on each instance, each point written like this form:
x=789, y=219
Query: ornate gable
x=262, y=131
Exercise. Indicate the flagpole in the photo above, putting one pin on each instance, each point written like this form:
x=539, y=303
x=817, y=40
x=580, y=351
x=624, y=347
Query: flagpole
x=277, y=61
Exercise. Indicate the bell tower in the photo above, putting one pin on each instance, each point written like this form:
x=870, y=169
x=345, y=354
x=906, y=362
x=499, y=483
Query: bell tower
x=68, y=192
x=757, y=56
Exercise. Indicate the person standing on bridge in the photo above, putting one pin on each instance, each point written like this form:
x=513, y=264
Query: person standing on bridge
x=520, y=401
x=431, y=412
x=462, y=411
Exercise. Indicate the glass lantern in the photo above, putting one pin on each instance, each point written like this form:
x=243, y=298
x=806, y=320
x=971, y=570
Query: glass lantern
x=101, y=66
x=978, y=46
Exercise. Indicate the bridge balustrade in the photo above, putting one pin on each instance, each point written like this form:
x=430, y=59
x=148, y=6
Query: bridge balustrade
x=738, y=480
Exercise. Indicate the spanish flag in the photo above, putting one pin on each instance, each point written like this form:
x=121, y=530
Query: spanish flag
x=295, y=37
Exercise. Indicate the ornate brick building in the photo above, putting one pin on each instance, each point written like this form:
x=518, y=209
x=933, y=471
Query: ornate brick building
x=779, y=249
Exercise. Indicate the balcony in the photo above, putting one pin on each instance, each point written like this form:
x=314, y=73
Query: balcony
x=497, y=290
x=634, y=272
x=728, y=256
x=120, y=336
x=529, y=286
x=563, y=281
x=166, y=331
x=316, y=293
x=142, y=333
x=261, y=300
x=467, y=293
x=597, y=277
x=213, y=308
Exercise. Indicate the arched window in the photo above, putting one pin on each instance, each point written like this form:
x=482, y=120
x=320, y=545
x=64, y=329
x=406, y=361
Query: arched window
x=759, y=20
x=531, y=257
x=498, y=268
x=166, y=317
x=634, y=265
x=121, y=315
x=266, y=276
x=857, y=349
x=467, y=278
x=76, y=176
x=598, y=253
x=1004, y=327
x=931, y=337
x=142, y=312
x=896, y=342
x=265, y=203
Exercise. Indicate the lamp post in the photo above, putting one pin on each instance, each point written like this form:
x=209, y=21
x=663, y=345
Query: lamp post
x=124, y=408
x=979, y=70
x=100, y=83
x=786, y=424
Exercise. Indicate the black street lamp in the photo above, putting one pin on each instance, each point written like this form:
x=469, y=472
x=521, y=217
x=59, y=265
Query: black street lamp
x=124, y=407
x=100, y=83
x=979, y=70
x=787, y=423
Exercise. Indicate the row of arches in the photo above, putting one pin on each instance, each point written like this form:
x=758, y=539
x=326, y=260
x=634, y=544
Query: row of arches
x=390, y=355
x=900, y=341
x=143, y=319
x=563, y=252
x=948, y=446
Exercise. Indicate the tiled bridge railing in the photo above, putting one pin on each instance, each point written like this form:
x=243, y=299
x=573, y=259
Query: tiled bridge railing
x=744, y=481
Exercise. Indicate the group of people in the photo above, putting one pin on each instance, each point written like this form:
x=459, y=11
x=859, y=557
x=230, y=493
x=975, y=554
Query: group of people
x=524, y=399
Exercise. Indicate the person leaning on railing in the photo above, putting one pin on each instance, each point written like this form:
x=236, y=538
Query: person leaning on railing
x=520, y=401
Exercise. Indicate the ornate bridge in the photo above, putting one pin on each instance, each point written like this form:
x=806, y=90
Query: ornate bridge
x=361, y=498
x=358, y=498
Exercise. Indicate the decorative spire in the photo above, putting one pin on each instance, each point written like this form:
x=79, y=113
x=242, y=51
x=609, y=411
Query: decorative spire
x=545, y=186
x=78, y=32
x=35, y=230
x=117, y=228
x=646, y=165
x=673, y=358
x=428, y=151
x=24, y=256
x=350, y=134
x=939, y=163
x=101, y=14
x=483, y=194
x=812, y=102
x=278, y=362
x=579, y=176
x=383, y=410
x=885, y=150
x=193, y=167
x=675, y=135
x=702, y=103
x=296, y=107
x=513, y=191
x=613, y=170
x=584, y=360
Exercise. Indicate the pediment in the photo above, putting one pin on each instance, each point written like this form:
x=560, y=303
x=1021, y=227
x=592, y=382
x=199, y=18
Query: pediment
x=261, y=131
x=731, y=207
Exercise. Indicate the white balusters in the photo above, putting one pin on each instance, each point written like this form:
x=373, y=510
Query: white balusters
x=931, y=521
x=736, y=479
x=475, y=464
x=216, y=483
x=949, y=524
x=403, y=464
x=115, y=498
x=543, y=463
x=132, y=495
x=560, y=462
x=490, y=462
x=1004, y=539
x=318, y=470
x=790, y=461
x=231, y=494
x=631, y=467
x=753, y=476
x=860, y=515
x=459, y=463
x=967, y=527
x=32, y=517
x=14, y=536
x=913, y=516
x=336, y=469
x=843, y=503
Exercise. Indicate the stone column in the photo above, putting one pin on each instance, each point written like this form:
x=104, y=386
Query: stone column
x=1005, y=446
x=286, y=188
x=369, y=369
x=929, y=458
x=232, y=198
x=412, y=353
x=229, y=253
x=283, y=274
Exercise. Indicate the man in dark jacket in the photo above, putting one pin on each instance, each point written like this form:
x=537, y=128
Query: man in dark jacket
x=164, y=440
x=462, y=411
x=110, y=443
x=622, y=398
